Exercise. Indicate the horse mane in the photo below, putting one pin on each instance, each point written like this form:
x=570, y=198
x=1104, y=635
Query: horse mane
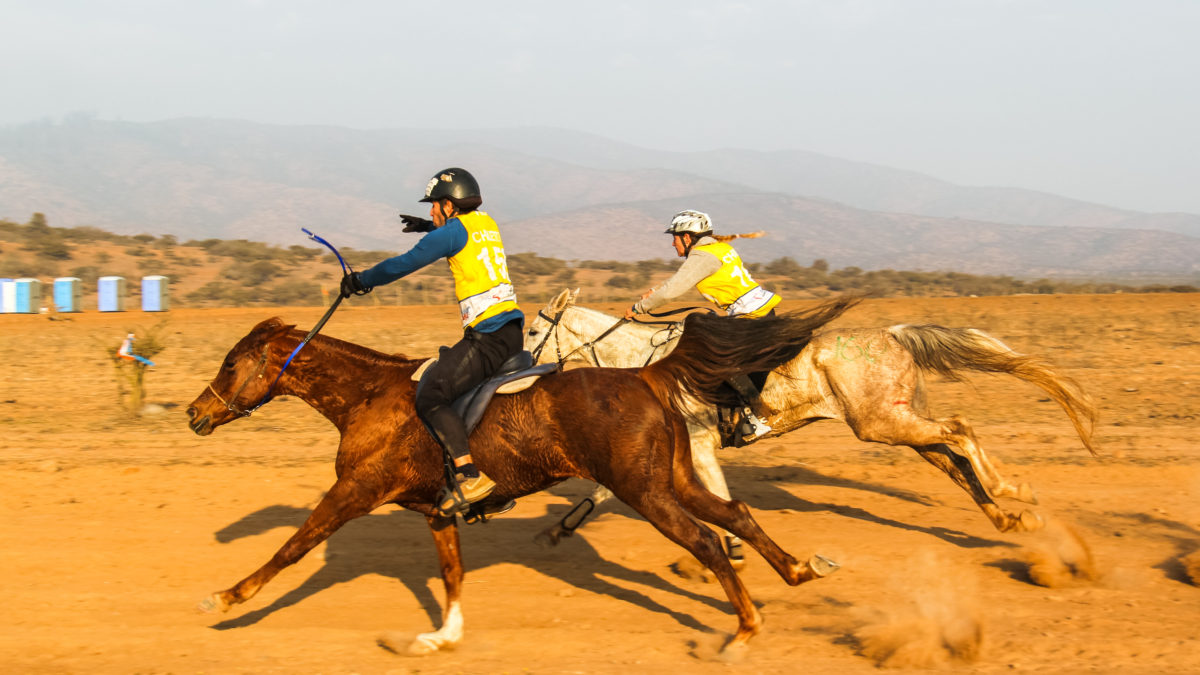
x=715, y=348
x=371, y=356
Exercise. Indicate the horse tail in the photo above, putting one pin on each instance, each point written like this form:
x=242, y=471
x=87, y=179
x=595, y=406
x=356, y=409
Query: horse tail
x=946, y=351
x=714, y=349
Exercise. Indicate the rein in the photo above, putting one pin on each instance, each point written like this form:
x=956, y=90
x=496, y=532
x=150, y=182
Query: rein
x=262, y=361
x=591, y=344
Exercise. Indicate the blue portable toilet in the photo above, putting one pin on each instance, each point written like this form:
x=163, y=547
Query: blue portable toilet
x=154, y=293
x=66, y=294
x=110, y=292
x=29, y=295
x=8, y=296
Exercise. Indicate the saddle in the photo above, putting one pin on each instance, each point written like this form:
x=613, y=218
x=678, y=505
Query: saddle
x=516, y=374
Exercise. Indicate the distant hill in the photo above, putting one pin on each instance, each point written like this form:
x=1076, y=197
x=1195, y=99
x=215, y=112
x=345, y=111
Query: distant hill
x=562, y=194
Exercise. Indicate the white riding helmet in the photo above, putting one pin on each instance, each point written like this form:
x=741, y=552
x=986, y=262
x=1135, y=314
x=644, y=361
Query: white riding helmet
x=690, y=222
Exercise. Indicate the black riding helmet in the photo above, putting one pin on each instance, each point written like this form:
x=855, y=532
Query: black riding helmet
x=452, y=183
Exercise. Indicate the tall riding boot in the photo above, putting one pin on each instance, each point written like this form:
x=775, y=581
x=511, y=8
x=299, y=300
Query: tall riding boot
x=749, y=393
x=471, y=484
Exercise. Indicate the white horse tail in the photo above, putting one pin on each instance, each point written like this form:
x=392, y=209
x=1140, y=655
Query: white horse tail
x=947, y=351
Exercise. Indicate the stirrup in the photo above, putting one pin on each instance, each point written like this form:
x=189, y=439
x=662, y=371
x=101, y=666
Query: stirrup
x=753, y=426
x=458, y=503
x=480, y=512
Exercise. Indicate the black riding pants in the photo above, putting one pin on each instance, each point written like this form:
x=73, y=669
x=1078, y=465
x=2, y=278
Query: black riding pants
x=475, y=358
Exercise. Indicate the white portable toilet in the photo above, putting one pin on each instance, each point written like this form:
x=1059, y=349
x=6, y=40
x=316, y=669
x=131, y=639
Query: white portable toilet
x=28, y=295
x=110, y=292
x=8, y=296
x=66, y=294
x=154, y=293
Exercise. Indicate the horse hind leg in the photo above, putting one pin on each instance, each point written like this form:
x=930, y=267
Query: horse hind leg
x=960, y=470
x=734, y=516
x=660, y=507
x=958, y=432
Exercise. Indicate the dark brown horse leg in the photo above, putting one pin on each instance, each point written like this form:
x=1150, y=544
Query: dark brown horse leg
x=658, y=505
x=961, y=472
x=445, y=537
x=345, y=501
x=734, y=516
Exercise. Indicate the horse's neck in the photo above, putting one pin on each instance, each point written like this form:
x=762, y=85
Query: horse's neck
x=335, y=377
x=627, y=347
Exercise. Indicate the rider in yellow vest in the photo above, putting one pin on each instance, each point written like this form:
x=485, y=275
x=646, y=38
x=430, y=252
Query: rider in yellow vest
x=492, y=322
x=714, y=269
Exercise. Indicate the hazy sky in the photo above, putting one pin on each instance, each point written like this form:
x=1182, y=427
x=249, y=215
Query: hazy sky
x=1092, y=99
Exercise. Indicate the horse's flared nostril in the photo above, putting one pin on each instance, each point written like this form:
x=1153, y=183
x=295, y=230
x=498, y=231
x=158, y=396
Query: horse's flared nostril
x=191, y=413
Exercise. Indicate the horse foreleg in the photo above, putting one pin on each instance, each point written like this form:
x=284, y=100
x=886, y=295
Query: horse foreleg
x=445, y=536
x=344, y=502
x=960, y=470
x=705, y=442
x=574, y=518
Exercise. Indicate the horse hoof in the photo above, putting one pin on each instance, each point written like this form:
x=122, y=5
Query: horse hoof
x=212, y=604
x=1031, y=522
x=734, y=652
x=422, y=646
x=822, y=566
x=1025, y=493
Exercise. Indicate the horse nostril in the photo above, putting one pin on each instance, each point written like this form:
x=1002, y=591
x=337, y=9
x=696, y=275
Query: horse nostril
x=191, y=413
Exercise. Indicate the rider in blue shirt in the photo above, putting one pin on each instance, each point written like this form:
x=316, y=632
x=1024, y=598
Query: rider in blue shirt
x=492, y=322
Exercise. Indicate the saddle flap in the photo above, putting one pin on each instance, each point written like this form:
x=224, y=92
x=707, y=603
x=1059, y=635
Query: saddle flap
x=473, y=404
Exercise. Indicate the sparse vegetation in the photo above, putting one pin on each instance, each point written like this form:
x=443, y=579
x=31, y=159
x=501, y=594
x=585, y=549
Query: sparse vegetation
x=238, y=272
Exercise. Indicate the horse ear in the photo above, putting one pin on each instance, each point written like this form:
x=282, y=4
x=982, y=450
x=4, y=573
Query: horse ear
x=272, y=327
x=559, y=301
x=574, y=294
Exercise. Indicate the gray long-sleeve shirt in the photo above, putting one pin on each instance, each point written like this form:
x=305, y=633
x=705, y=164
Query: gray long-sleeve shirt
x=698, y=266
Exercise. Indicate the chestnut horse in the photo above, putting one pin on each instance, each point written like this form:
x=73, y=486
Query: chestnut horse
x=621, y=428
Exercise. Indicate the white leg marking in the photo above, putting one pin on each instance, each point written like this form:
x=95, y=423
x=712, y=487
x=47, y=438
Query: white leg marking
x=450, y=634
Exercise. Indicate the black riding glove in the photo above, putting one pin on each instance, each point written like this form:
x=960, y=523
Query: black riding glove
x=352, y=284
x=415, y=224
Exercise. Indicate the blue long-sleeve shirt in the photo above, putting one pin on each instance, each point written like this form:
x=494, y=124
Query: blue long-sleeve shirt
x=443, y=242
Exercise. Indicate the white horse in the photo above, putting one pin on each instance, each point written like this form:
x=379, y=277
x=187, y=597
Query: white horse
x=870, y=378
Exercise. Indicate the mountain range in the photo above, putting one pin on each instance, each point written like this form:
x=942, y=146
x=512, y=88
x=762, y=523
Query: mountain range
x=564, y=194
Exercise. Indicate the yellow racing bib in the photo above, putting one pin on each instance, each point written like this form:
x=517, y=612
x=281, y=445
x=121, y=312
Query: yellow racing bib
x=481, y=281
x=731, y=288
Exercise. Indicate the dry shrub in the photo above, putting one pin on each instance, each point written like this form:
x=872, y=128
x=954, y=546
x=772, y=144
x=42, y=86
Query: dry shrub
x=939, y=622
x=1062, y=559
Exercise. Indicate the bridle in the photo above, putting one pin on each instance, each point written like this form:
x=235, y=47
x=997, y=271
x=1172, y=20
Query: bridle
x=553, y=330
x=671, y=328
x=257, y=374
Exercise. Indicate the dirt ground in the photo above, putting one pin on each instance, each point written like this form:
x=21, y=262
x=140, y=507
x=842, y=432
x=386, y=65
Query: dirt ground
x=115, y=526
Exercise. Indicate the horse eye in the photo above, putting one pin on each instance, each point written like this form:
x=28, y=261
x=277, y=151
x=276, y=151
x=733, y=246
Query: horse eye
x=532, y=332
